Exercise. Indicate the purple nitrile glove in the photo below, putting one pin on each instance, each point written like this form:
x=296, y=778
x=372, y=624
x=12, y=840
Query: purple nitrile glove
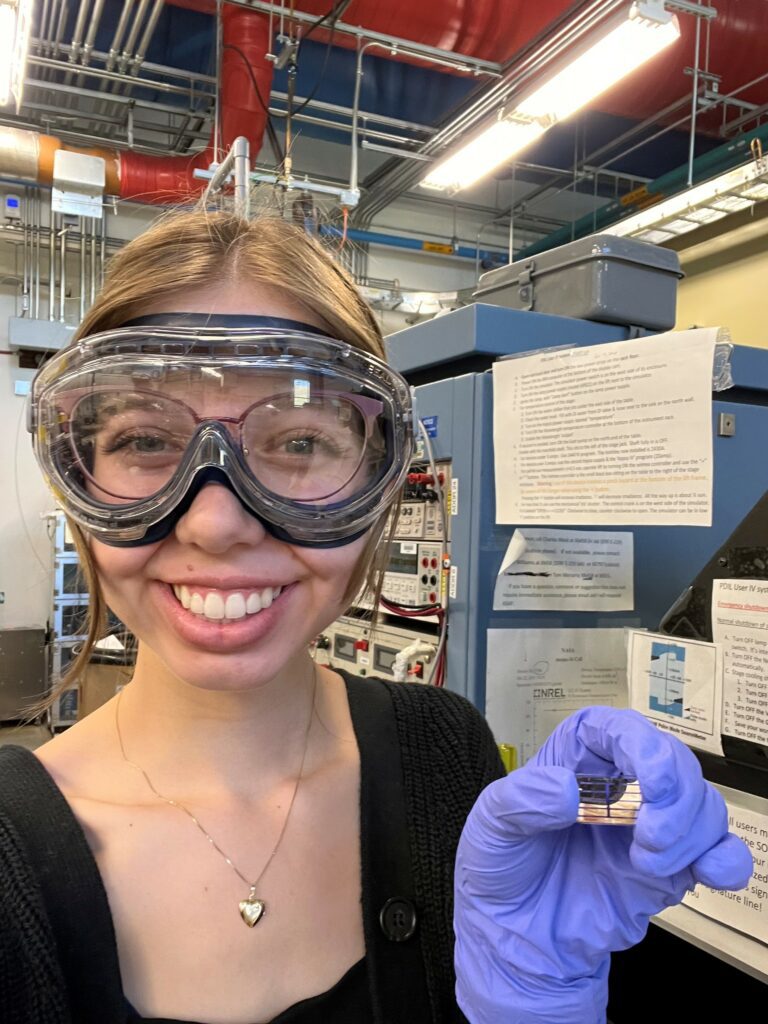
x=541, y=902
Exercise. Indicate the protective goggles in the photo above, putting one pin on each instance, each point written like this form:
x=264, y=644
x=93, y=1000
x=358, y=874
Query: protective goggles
x=311, y=434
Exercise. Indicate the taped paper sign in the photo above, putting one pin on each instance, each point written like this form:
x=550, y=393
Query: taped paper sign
x=566, y=570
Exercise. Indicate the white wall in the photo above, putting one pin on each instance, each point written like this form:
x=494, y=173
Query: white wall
x=725, y=281
x=26, y=561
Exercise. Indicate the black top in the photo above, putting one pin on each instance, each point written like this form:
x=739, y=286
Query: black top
x=348, y=1002
x=425, y=755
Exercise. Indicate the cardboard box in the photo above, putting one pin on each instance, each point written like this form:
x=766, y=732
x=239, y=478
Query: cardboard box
x=100, y=683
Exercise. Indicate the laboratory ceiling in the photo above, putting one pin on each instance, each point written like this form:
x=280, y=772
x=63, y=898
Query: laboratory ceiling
x=140, y=77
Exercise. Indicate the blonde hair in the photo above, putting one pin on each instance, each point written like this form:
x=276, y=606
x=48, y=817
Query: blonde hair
x=183, y=251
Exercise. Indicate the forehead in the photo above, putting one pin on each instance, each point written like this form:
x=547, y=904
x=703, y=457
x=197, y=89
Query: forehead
x=239, y=297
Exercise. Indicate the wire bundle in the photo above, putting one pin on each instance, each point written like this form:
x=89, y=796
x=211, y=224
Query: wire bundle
x=420, y=611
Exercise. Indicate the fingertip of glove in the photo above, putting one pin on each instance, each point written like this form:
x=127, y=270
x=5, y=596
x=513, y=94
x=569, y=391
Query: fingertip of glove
x=637, y=747
x=728, y=865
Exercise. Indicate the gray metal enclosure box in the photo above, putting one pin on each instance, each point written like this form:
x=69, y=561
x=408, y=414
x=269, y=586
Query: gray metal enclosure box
x=603, y=278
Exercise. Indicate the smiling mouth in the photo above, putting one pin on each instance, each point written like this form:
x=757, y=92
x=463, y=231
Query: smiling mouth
x=221, y=605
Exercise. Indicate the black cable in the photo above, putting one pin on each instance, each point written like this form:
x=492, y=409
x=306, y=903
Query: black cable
x=273, y=139
x=321, y=76
x=334, y=14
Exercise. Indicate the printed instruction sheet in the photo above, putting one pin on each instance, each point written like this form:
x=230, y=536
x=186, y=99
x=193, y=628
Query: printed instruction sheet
x=740, y=625
x=747, y=909
x=566, y=570
x=615, y=434
x=537, y=677
x=678, y=685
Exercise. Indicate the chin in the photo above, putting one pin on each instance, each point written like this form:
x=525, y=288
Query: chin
x=235, y=672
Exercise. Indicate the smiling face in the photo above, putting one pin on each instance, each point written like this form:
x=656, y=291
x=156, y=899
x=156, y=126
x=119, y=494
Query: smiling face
x=220, y=602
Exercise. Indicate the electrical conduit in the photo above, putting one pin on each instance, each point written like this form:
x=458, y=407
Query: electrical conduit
x=29, y=156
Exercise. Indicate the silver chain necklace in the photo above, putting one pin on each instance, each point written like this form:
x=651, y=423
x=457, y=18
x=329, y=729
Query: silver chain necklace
x=252, y=909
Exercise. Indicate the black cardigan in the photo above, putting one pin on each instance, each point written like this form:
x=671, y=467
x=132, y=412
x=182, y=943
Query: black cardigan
x=425, y=756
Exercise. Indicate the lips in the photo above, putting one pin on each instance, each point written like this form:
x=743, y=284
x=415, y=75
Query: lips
x=223, y=635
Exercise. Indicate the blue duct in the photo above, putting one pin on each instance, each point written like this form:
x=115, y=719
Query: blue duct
x=707, y=166
x=486, y=256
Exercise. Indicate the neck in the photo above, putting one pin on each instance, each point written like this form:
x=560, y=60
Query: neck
x=206, y=743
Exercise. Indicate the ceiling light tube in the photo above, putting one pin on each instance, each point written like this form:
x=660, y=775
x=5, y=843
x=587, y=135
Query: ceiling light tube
x=624, y=46
x=712, y=200
x=493, y=146
x=630, y=43
x=15, y=25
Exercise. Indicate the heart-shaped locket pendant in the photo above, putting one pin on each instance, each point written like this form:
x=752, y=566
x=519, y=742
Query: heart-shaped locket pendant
x=251, y=911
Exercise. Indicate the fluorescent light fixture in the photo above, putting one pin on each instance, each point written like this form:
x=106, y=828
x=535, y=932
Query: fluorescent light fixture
x=624, y=45
x=15, y=25
x=712, y=200
x=479, y=156
x=647, y=31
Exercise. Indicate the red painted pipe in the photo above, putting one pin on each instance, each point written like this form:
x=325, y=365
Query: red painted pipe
x=489, y=29
x=171, y=179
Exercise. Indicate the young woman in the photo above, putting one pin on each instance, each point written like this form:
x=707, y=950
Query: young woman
x=240, y=836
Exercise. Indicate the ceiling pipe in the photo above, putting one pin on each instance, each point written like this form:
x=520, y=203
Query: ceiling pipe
x=146, y=38
x=29, y=156
x=497, y=257
x=117, y=39
x=133, y=35
x=82, y=14
x=85, y=53
x=715, y=162
x=153, y=180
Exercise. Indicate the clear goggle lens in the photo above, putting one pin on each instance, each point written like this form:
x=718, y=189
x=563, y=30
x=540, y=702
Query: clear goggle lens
x=307, y=440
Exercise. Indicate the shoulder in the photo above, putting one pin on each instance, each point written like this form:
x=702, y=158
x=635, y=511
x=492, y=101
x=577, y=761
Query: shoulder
x=438, y=710
x=441, y=733
x=20, y=898
x=32, y=987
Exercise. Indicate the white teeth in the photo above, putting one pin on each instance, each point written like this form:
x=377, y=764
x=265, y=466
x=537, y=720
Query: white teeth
x=235, y=607
x=214, y=606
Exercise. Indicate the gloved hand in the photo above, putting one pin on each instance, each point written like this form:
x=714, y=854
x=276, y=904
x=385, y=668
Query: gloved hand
x=541, y=902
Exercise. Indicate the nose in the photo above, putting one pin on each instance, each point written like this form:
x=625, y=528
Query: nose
x=216, y=521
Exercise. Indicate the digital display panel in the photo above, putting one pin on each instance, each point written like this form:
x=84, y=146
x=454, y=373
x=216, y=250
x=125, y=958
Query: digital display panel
x=344, y=647
x=383, y=659
x=401, y=562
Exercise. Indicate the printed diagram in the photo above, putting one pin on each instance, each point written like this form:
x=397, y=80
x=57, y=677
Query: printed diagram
x=677, y=683
x=666, y=678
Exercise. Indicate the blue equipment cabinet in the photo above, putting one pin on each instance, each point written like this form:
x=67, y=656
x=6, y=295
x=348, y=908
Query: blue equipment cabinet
x=448, y=360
